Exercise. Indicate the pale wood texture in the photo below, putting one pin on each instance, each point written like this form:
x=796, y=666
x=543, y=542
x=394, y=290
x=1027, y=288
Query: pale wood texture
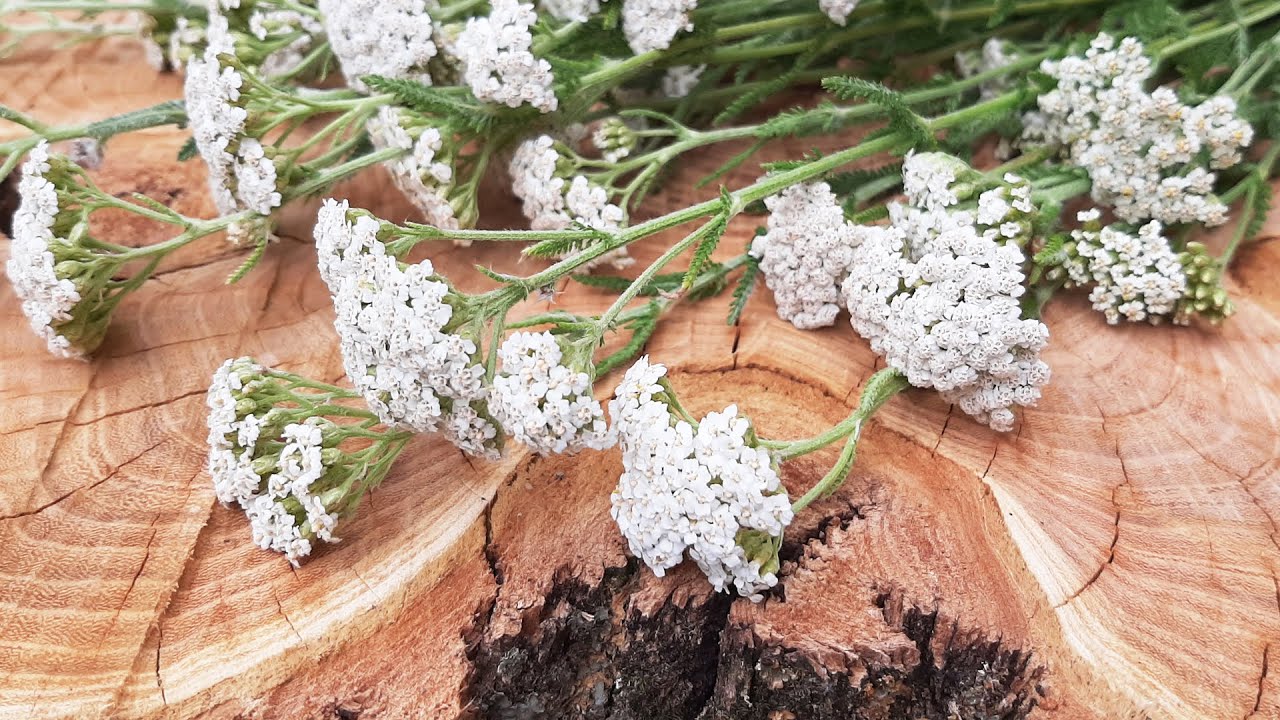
x=1116, y=556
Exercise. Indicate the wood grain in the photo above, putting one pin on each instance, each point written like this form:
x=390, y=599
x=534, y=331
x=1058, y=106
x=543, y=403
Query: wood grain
x=1116, y=556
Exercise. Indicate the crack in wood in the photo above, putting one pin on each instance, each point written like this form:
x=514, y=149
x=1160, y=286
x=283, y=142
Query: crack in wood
x=945, y=424
x=159, y=681
x=1244, y=483
x=85, y=488
x=1115, y=536
x=285, y=615
x=127, y=411
x=1262, y=680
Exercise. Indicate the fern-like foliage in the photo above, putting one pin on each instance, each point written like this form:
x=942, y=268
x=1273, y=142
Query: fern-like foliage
x=188, y=150
x=642, y=329
x=560, y=247
x=250, y=262
x=712, y=234
x=902, y=119
x=743, y=290
x=171, y=112
x=455, y=103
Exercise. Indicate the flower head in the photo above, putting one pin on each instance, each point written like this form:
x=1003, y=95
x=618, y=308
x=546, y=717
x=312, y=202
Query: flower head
x=1148, y=154
x=391, y=38
x=271, y=454
x=497, y=59
x=994, y=55
x=554, y=199
x=1137, y=277
x=242, y=176
x=936, y=293
x=409, y=341
x=838, y=10
x=708, y=490
x=542, y=396
x=272, y=37
x=425, y=173
x=805, y=253
x=654, y=24
x=571, y=10
x=68, y=282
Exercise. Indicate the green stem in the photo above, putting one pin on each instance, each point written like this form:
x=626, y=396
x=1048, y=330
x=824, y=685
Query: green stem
x=878, y=390
x=1251, y=205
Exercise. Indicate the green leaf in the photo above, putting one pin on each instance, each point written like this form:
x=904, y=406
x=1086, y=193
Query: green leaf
x=1003, y=9
x=250, y=262
x=188, y=151
x=901, y=117
x=742, y=291
x=712, y=233
x=642, y=329
x=1051, y=253
x=172, y=112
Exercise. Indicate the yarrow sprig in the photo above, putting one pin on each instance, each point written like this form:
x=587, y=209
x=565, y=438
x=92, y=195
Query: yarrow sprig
x=293, y=453
x=69, y=281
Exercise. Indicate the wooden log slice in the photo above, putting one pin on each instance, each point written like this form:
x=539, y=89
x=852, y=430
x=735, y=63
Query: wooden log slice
x=1114, y=557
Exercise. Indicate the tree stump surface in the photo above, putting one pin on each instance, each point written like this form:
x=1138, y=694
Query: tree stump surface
x=1114, y=557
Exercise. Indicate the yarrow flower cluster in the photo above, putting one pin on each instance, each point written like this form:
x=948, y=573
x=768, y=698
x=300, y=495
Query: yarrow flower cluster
x=241, y=175
x=49, y=298
x=404, y=335
x=1133, y=277
x=995, y=54
x=708, y=490
x=654, y=24
x=838, y=10
x=283, y=32
x=1148, y=154
x=543, y=399
x=553, y=202
x=280, y=463
x=806, y=252
x=391, y=38
x=498, y=62
x=425, y=173
x=936, y=292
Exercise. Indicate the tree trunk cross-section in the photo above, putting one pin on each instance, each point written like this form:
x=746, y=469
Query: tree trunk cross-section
x=1114, y=557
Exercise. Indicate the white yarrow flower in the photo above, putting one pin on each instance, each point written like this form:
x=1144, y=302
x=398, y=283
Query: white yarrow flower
x=1133, y=277
x=695, y=490
x=398, y=341
x=937, y=294
x=48, y=298
x=654, y=24
x=497, y=59
x=544, y=403
x=425, y=172
x=571, y=10
x=391, y=38
x=553, y=202
x=838, y=10
x=1148, y=154
x=805, y=254
x=241, y=176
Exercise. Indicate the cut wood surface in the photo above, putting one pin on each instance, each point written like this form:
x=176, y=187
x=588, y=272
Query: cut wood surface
x=1114, y=557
